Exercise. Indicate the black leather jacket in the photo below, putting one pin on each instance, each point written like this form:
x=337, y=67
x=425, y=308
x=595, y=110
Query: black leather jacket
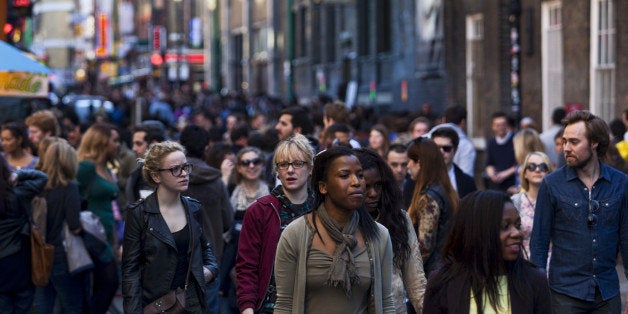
x=149, y=258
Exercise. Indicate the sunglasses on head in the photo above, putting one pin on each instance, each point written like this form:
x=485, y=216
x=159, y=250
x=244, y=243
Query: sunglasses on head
x=247, y=163
x=542, y=167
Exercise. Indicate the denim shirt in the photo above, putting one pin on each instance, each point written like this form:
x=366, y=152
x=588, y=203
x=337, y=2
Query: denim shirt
x=583, y=256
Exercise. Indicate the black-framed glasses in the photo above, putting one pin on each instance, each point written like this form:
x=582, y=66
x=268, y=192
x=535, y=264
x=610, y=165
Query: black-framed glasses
x=297, y=164
x=178, y=170
x=543, y=167
x=254, y=161
x=446, y=148
x=592, y=217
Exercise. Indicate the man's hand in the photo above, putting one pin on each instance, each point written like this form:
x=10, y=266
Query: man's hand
x=248, y=311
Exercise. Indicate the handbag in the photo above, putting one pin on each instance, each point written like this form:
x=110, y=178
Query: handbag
x=94, y=237
x=42, y=255
x=172, y=302
x=76, y=253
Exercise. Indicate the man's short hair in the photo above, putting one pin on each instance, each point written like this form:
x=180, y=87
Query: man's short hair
x=418, y=120
x=195, y=139
x=455, y=114
x=300, y=119
x=597, y=130
x=45, y=120
x=241, y=131
x=339, y=127
x=558, y=115
x=154, y=132
x=448, y=133
x=337, y=111
x=397, y=148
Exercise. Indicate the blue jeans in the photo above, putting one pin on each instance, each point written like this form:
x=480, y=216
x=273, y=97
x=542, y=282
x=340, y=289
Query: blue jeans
x=212, y=298
x=565, y=304
x=18, y=302
x=66, y=288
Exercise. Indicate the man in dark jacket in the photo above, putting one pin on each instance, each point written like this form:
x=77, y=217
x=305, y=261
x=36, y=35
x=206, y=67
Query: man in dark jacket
x=207, y=187
x=144, y=135
x=447, y=140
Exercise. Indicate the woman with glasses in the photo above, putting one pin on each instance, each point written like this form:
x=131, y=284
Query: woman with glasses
x=535, y=167
x=524, y=142
x=249, y=166
x=165, y=248
x=434, y=200
x=98, y=186
x=336, y=259
x=264, y=221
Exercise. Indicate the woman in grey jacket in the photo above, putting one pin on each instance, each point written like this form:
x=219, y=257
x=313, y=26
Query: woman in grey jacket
x=336, y=259
x=163, y=237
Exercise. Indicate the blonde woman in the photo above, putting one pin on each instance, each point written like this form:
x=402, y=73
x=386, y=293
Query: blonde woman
x=524, y=142
x=535, y=167
x=58, y=159
x=249, y=166
x=165, y=248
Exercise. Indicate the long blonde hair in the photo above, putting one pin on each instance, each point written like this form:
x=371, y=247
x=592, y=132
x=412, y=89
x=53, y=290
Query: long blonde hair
x=95, y=143
x=60, y=163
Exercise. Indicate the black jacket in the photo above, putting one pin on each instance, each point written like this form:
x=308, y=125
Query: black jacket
x=465, y=184
x=149, y=260
x=454, y=296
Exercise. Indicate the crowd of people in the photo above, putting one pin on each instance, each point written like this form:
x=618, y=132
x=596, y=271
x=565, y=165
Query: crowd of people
x=234, y=206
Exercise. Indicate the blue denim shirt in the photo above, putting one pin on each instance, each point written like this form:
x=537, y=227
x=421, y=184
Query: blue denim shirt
x=583, y=256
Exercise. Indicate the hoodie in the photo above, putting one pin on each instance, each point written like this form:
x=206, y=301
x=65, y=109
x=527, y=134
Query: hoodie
x=216, y=212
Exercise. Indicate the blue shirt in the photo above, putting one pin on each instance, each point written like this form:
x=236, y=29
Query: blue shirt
x=583, y=256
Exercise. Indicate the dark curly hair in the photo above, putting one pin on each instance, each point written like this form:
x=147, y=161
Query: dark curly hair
x=391, y=214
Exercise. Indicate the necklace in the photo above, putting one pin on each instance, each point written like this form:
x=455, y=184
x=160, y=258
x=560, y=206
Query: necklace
x=529, y=200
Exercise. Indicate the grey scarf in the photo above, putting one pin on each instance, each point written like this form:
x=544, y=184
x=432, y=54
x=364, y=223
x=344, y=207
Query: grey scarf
x=342, y=272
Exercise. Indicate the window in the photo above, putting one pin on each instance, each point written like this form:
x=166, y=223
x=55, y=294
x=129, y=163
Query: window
x=475, y=55
x=552, y=63
x=364, y=23
x=384, y=26
x=332, y=35
x=602, y=96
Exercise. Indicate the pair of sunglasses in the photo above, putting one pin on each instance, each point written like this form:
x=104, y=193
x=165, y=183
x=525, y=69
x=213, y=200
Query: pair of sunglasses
x=543, y=167
x=446, y=148
x=247, y=163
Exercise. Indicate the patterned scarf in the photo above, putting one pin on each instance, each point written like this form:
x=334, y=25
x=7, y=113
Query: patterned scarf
x=342, y=272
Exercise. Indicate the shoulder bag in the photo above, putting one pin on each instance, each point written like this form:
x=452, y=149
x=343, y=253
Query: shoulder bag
x=174, y=301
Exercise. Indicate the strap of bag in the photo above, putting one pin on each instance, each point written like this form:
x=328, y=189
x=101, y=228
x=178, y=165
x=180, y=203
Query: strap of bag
x=189, y=216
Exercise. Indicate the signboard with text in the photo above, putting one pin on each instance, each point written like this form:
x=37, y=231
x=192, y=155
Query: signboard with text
x=21, y=84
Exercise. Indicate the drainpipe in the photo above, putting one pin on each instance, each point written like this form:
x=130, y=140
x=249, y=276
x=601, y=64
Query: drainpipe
x=290, y=47
x=216, y=55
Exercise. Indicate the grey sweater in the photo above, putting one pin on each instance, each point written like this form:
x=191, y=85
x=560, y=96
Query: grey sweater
x=291, y=273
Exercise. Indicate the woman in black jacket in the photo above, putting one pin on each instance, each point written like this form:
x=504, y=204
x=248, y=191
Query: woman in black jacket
x=17, y=189
x=163, y=237
x=483, y=267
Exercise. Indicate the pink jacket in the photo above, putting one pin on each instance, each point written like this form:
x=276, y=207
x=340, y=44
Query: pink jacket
x=256, y=251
